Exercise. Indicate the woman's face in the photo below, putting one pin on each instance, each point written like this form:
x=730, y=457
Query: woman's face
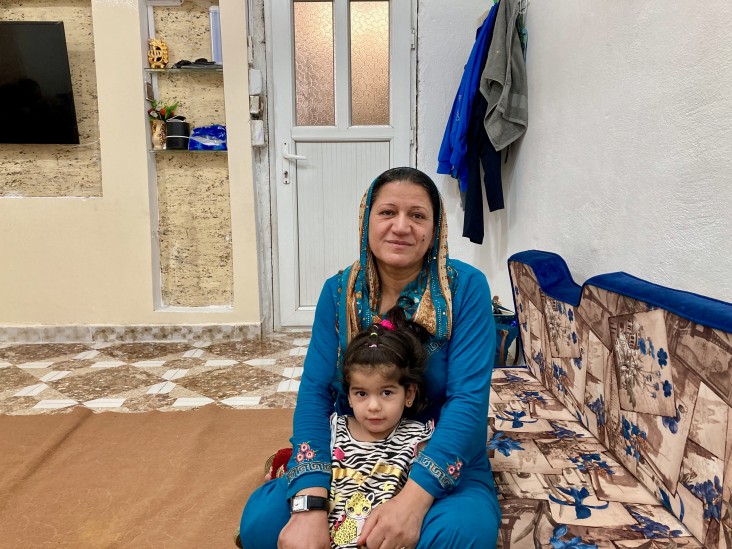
x=401, y=225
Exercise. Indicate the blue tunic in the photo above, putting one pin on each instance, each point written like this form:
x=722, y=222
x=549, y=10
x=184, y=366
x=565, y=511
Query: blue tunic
x=453, y=467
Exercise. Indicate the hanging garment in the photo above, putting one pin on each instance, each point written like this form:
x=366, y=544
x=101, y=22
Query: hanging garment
x=522, y=31
x=503, y=82
x=480, y=152
x=451, y=159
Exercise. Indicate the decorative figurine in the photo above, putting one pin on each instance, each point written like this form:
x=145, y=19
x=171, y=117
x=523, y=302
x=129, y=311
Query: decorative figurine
x=157, y=55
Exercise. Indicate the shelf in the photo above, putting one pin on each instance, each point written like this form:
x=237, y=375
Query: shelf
x=189, y=69
x=197, y=151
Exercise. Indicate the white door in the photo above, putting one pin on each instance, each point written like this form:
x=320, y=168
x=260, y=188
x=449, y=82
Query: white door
x=343, y=102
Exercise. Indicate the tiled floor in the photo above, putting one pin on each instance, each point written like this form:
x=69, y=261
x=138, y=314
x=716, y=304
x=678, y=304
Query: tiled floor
x=138, y=377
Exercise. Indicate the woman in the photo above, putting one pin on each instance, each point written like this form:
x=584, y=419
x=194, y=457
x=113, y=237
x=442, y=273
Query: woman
x=449, y=500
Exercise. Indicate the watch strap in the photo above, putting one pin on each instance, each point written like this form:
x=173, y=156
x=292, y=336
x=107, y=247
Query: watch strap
x=299, y=504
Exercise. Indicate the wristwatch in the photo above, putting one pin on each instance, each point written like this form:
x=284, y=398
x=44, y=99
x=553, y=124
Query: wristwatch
x=298, y=504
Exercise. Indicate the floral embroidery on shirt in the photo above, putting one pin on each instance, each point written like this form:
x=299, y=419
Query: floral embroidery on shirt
x=453, y=469
x=304, y=453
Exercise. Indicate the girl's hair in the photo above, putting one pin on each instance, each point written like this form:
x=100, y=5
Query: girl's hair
x=394, y=342
x=411, y=175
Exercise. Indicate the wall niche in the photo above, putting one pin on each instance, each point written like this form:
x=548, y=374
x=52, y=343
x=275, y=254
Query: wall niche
x=31, y=170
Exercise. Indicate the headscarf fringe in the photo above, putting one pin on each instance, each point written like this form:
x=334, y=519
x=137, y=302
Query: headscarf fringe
x=426, y=301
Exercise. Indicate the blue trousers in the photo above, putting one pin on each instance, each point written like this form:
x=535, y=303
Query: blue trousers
x=466, y=519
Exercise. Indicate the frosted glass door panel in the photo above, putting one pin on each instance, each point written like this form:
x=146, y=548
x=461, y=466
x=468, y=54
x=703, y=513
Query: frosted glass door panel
x=330, y=184
x=314, y=73
x=369, y=63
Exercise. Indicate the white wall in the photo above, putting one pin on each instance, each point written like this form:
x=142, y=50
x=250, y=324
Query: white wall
x=627, y=162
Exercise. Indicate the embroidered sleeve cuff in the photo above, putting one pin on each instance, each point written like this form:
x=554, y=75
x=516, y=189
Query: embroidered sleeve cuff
x=436, y=480
x=309, y=474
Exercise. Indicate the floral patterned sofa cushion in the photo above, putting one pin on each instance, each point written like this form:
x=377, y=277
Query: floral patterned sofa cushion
x=619, y=432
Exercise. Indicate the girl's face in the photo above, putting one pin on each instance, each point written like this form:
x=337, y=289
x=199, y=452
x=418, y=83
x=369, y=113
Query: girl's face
x=378, y=401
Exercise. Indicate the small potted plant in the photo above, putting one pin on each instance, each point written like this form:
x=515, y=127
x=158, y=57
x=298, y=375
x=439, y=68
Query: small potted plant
x=159, y=112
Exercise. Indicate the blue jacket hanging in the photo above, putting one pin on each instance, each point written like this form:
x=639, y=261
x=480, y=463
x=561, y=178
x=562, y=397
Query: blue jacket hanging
x=453, y=152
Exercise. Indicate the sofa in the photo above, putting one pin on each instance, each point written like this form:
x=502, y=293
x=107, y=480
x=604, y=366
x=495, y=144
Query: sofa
x=617, y=433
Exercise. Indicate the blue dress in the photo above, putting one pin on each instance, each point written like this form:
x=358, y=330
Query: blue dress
x=453, y=467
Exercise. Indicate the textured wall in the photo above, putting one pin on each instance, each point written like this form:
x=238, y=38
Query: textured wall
x=193, y=188
x=626, y=162
x=59, y=170
x=195, y=230
x=185, y=30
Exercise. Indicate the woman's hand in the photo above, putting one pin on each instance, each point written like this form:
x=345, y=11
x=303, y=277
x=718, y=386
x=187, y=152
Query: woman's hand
x=306, y=530
x=398, y=522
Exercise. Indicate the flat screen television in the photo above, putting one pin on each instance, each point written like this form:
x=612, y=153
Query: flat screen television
x=36, y=98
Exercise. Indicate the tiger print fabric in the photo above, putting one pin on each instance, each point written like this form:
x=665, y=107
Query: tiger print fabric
x=366, y=474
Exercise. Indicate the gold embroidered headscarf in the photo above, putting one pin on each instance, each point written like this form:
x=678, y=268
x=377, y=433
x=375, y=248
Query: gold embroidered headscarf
x=427, y=300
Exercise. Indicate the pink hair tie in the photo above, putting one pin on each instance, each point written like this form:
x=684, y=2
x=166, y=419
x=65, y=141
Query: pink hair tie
x=387, y=324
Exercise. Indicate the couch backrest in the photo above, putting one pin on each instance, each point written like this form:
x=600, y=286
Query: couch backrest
x=648, y=370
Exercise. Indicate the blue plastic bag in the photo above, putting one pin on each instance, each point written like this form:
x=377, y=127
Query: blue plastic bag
x=208, y=138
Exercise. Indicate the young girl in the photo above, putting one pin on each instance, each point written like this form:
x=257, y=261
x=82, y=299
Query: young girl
x=372, y=451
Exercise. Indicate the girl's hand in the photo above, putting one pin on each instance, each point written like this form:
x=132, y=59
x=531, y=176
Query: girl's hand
x=398, y=522
x=306, y=530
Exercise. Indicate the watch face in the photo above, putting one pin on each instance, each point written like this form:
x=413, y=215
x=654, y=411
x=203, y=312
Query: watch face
x=298, y=503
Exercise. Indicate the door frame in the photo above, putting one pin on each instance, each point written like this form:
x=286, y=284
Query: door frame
x=274, y=168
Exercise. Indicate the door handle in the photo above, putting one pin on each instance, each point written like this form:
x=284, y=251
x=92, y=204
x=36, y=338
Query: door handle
x=287, y=156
